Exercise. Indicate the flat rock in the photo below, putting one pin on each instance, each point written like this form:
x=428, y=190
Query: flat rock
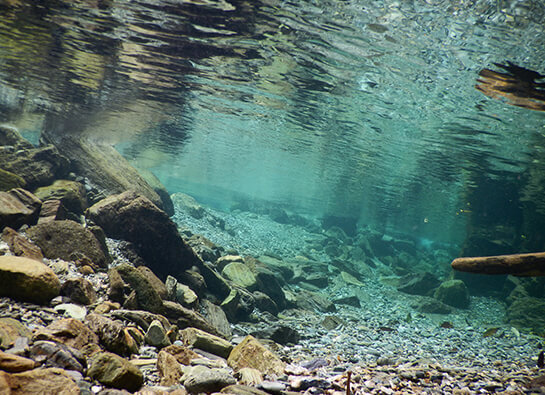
x=197, y=379
x=250, y=353
x=314, y=301
x=141, y=318
x=207, y=342
x=9, y=180
x=71, y=310
x=69, y=241
x=238, y=389
x=14, y=363
x=240, y=274
x=132, y=217
x=38, y=381
x=217, y=318
x=18, y=207
x=20, y=245
x=155, y=281
x=114, y=371
x=68, y=331
x=27, y=280
x=52, y=210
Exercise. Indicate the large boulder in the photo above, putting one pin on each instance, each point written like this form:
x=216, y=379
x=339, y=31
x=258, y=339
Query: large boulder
x=18, y=207
x=27, y=279
x=133, y=217
x=69, y=241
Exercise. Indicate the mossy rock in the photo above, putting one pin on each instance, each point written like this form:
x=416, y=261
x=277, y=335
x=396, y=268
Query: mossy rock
x=9, y=180
x=527, y=313
x=71, y=193
x=453, y=293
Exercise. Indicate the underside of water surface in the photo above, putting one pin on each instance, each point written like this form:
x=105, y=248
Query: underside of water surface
x=359, y=115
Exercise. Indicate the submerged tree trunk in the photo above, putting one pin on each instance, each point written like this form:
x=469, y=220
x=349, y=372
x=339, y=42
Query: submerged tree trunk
x=525, y=265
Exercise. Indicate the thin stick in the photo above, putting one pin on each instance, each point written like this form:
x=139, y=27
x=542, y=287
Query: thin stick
x=348, y=374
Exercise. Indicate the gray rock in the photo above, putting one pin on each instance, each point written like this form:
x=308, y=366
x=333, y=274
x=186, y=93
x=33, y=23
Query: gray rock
x=156, y=335
x=197, y=379
x=58, y=355
x=418, y=283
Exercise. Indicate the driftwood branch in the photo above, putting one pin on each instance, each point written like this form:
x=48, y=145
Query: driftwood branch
x=525, y=265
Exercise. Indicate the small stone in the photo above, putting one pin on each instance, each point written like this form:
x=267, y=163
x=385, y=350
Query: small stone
x=182, y=354
x=273, y=387
x=113, y=334
x=67, y=331
x=71, y=310
x=11, y=330
x=58, y=355
x=156, y=335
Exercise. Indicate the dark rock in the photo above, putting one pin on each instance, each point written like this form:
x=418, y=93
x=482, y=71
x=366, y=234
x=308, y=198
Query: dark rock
x=156, y=335
x=331, y=322
x=79, y=290
x=141, y=318
x=454, y=293
x=112, y=334
x=58, y=355
x=215, y=283
x=238, y=305
x=69, y=241
x=21, y=246
x=27, y=280
x=418, y=283
x=320, y=280
x=281, y=334
x=264, y=303
x=154, y=281
x=18, y=207
x=268, y=283
x=146, y=295
x=169, y=369
x=135, y=218
x=347, y=224
x=349, y=301
x=72, y=195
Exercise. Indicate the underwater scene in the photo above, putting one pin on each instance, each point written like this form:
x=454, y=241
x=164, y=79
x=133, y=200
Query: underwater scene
x=272, y=197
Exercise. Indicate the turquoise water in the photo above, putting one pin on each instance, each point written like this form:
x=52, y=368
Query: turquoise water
x=360, y=109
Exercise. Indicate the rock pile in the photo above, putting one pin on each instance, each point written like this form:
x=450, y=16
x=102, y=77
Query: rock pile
x=108, y=298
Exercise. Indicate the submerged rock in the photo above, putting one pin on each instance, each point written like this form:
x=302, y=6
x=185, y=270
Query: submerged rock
x=38, y=381
x=69, y=241
x=18, y=207
x=454, y=293
x=68, y=331
x=205, y=341
x=198, y=379
x=527, y=313
x=114, y=371
x=418, y=283
x=250, y=353
x=147, y=297
x=21, y=246
x=10, y=330
x=132, y=217
x=28, y=280
x=71, y=194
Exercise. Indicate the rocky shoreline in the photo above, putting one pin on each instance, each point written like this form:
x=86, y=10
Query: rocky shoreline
x=109, y=295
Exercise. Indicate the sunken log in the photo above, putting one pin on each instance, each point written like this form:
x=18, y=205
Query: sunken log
x=524, y=265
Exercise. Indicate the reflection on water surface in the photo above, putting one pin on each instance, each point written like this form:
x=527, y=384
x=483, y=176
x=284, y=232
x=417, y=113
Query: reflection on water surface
x=360, y=109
